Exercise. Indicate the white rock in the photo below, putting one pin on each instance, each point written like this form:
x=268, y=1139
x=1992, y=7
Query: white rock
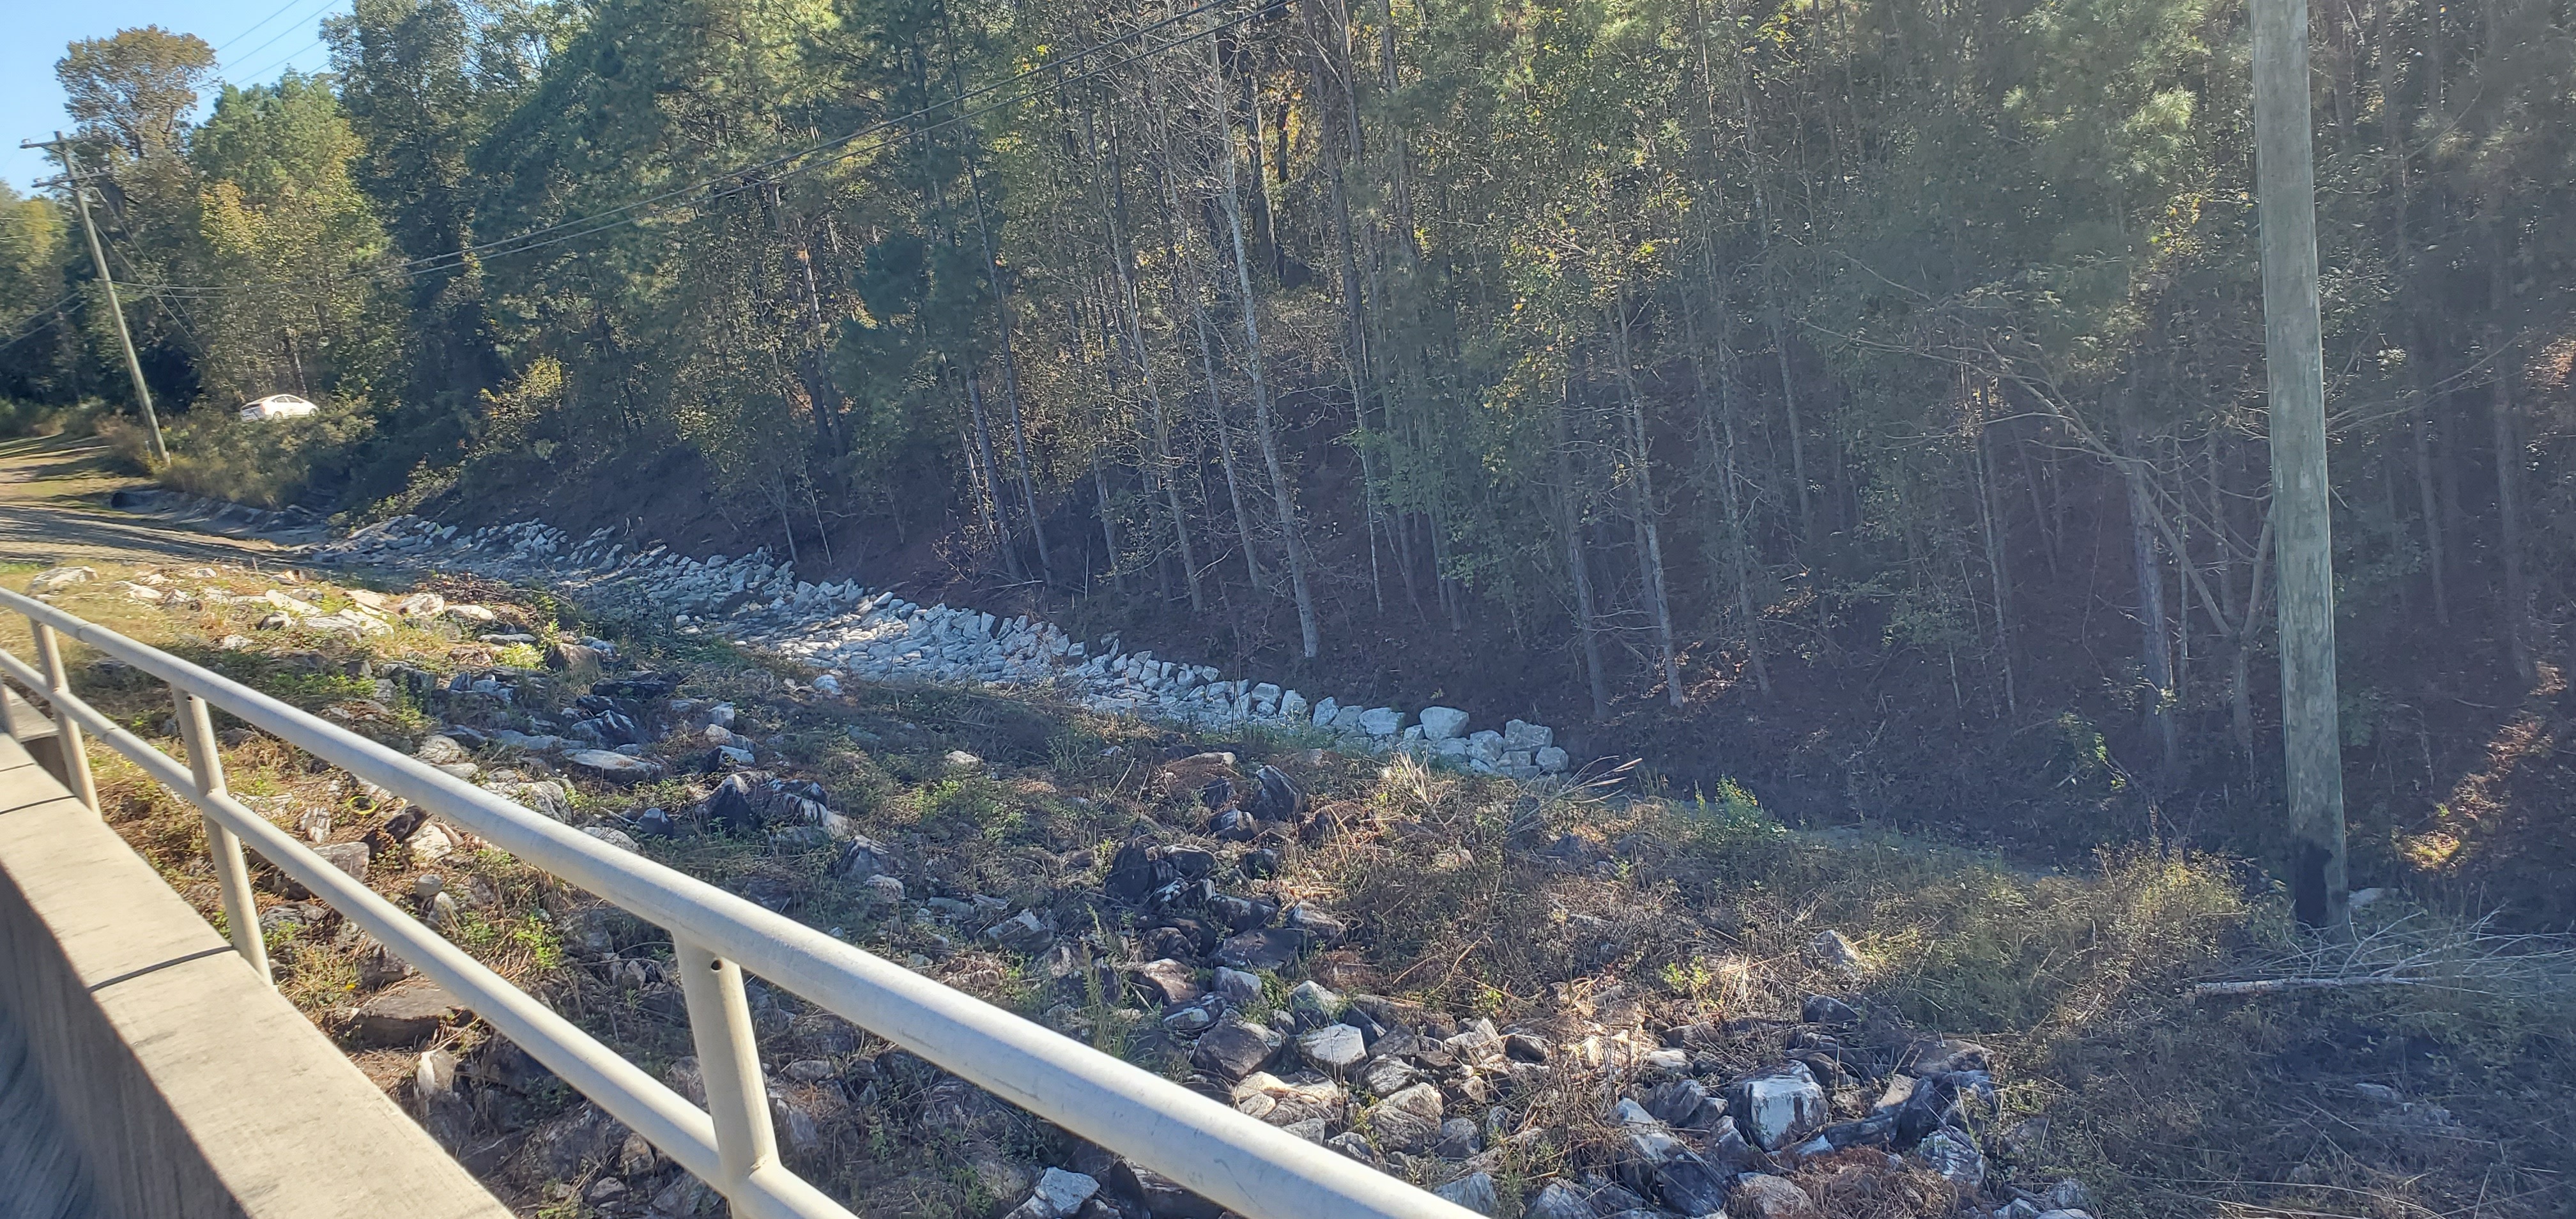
x=439, y=750
x=1552, y=759
x=1521, y=734
x=55, y=579
x=612, y=766
x=429, y=844
x=1380, y=721
x=1058, y=1195
x=1780, y=1109
x=1334, y=1047
x=1442, y=723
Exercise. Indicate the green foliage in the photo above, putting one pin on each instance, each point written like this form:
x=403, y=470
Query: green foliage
x=267, y=462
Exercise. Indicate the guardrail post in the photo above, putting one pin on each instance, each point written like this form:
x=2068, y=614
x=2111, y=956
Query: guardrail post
x=729, y=1060
x=49, y=655
x=232, y=872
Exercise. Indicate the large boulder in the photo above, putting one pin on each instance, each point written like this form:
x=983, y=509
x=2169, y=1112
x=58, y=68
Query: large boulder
x=1443, y=723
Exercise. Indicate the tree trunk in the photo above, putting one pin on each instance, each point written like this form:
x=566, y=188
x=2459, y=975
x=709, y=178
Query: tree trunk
x=1649, y=535
x=1253, y=358
x=992, y=489
x=1722, y=460
x=1990, y=516
x=2155, y=649
x=1771, y=317
x=2508, y=464
x=1010, y=369
x=1570, y=507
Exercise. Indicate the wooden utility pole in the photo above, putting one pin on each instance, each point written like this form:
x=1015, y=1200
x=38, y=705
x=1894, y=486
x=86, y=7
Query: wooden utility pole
x=98, y=254
x=2294, y=359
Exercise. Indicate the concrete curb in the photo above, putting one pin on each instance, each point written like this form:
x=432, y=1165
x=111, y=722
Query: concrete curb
x=187, y=1086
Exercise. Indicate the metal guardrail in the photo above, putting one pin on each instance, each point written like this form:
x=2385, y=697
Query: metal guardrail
x=1212, y=1150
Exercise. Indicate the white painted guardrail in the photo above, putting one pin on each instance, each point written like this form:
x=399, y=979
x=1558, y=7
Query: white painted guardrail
x=1229, y=1158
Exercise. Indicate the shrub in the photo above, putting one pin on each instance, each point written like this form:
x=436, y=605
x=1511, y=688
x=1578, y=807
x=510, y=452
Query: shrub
x=266, y=463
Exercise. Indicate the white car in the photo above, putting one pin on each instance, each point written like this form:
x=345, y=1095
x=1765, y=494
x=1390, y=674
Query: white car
x=278, y=406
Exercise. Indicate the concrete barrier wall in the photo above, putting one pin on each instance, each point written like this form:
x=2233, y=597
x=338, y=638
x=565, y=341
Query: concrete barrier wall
x=188, y=1087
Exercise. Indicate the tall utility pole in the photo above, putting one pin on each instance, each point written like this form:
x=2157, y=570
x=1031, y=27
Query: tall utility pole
x=2294, y=359
x=98, y=254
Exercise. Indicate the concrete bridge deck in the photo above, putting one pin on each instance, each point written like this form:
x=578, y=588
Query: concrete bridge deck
x=160, y=1077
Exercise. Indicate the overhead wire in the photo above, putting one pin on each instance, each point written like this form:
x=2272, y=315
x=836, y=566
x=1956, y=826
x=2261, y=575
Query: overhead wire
x=255, y=26
x=290, y=57
x=737, y=179
x=236, y=76
x=42, y=319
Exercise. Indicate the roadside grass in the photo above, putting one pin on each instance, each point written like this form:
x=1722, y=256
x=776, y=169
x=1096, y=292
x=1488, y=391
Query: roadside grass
x=1573, y=909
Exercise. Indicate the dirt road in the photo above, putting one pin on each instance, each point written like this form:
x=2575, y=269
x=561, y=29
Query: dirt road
x=53, y=509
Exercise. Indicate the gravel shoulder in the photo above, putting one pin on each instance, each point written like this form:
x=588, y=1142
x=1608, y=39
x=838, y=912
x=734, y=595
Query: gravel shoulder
x=54, y=492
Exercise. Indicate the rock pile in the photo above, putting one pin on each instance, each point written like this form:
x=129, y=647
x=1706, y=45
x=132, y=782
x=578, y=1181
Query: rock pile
x=846, y=628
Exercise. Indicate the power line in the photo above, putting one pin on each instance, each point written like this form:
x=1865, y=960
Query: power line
x=255, y=26
x=262, y=72
x=38, y=321
x=290, y=28
x=733, y=181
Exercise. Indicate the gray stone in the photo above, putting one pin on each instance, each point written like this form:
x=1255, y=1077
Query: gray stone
x=1381, y=721
x=1023, y=933
x=1832, y=951
x=1334, y=1047
x=1271, y=949
x=1058, y=1195
x=1312, y=1004
x=1954, y=1156
x=1442, y=723
x=1350, y=1143
x=1458, y=1139
x=1235, y=1049
x=1408, y=1121
x=1522, y=734
x=378, y=967
x=1558, y=1200
x=1165, y=981
x=1777, y=1111
x=405, y=1015
x=1316, y=925
x=1551, y=759
x=1475, y=1191
x=612, y=766
x=1758, y=1196
x=438, y=750
x=1387, y=1074
x=349, y=857
x=612, y=836
x=1239, y=988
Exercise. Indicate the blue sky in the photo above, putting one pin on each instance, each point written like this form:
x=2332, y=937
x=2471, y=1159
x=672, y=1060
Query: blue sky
x=254, y=40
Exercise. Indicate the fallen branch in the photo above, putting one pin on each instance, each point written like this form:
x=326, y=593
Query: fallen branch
x=2265, y=986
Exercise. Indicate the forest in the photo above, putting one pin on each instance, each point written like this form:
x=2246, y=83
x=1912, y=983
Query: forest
x=1862, y=399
